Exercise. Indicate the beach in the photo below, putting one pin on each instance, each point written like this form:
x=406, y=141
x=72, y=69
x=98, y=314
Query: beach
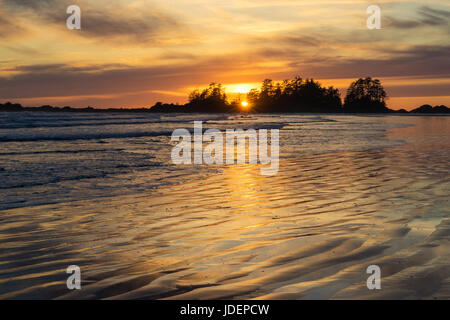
x=351, y=191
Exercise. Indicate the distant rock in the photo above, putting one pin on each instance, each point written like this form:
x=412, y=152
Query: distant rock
x=426, y=108
x=10, y=107
x=441, y=109
x=400, y=111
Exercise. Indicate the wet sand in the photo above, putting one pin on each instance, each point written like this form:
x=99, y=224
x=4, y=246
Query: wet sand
x=308, y=232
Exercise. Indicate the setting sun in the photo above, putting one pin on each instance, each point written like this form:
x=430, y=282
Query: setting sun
x=244, y=104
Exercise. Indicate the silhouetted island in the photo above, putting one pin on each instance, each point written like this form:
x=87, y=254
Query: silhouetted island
x=365, y=95
x=426, y=108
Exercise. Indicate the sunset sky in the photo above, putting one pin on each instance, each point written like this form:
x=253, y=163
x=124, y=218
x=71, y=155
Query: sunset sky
x=135, y=53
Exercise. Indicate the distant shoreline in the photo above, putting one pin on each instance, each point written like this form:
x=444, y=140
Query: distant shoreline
x=363, y=96
x=11, y=107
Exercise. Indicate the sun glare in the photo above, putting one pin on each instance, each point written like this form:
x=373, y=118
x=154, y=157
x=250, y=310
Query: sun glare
x=244, y=104
x=241, y=87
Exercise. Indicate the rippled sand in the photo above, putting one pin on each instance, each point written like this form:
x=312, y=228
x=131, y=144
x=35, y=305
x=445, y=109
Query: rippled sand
x=309, y=232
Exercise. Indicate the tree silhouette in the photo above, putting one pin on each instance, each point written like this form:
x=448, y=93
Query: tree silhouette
x=295, y=95
x=211, y=99
x=366, y=95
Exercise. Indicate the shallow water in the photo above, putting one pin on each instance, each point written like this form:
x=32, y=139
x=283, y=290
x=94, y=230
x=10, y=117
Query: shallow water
x=99, y=191
x=59, y=157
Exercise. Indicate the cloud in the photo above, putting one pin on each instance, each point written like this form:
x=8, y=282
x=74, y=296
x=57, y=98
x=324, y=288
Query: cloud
x=9, y=27
x=427, y=16
x=61, y=80
x=420, y=60
x=32, y=81
x=113, y=21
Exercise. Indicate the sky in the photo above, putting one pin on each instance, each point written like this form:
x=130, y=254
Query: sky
x=133, y=53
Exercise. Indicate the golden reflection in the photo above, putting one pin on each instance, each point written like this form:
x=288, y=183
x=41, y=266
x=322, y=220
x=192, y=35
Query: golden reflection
x=242, y=181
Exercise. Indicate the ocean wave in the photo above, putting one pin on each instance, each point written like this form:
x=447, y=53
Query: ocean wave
x=87, y=136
